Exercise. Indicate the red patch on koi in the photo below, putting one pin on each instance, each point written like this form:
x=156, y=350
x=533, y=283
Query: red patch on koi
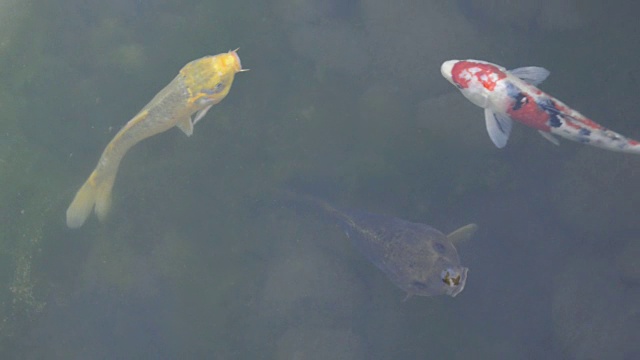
x=488, y=75
x=531, y=115
x=590, y=123
x=572, y=124
x=579, y=118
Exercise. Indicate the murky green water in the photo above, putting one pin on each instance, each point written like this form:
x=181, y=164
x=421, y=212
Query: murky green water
x=198, y=258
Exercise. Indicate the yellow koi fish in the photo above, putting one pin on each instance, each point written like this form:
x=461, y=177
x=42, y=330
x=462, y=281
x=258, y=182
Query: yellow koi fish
x=200, y=84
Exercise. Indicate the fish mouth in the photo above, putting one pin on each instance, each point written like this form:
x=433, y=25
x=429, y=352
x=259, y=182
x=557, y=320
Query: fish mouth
x=238, y=67
x=446, y=69
x=455, y=279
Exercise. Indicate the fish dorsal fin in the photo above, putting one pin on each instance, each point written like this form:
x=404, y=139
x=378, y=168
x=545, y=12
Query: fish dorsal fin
x=186, y=126
x=498, y=127
x=462, y=234
x=549, y=137
x=534, y=75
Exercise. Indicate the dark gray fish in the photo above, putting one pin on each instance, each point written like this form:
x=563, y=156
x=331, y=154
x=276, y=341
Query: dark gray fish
x=416, y=257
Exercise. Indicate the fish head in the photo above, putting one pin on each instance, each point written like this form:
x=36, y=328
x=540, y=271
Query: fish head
x=208, y=79
x=476, y=79
x=454, y=279
x=444, y=278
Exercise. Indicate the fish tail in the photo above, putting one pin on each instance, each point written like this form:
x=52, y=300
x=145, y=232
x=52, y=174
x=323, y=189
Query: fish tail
x=103, y=198
x=91, y=194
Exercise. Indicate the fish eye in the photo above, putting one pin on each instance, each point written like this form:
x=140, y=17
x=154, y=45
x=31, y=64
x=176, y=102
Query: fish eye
x=450, y=280
x=439, y=247
x=216, y=89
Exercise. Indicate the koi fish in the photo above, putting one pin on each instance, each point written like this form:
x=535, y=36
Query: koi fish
x=512, y=95
x=198, y=86
x=416, y=257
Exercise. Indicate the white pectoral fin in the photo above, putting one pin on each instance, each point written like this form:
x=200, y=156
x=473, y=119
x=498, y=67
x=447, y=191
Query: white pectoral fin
x=498, y=127
x=534, y=75
x=200, y=114
x=549, y=137
x=186, y=126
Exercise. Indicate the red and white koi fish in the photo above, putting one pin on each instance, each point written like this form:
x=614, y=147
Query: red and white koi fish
x=512, y=95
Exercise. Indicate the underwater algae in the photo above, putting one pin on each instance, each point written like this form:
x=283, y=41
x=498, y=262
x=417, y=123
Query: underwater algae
x=27, y=206
x=31, y=176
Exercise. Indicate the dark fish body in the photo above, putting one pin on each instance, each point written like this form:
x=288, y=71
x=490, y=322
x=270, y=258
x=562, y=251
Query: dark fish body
x=416, y=257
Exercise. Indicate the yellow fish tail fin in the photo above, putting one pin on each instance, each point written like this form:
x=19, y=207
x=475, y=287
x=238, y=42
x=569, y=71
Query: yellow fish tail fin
x=91, y=194
x=103, y=198
x=82, y=204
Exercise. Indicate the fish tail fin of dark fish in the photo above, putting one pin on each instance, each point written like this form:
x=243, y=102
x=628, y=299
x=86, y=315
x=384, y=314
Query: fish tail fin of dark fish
x=317, y=192
x=316, y=187
x=305, y=203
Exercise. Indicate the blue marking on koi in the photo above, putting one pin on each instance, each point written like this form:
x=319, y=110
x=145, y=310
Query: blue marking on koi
x=555, y=115
x=512, y=90
x=548, y=106
x=519, y=98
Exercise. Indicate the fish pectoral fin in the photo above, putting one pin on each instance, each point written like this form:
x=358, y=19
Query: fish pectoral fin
x=186, y=126
x=498, y=127
x=549, y=137
x=462, y=234
x=200, y=114
x=533, y=75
